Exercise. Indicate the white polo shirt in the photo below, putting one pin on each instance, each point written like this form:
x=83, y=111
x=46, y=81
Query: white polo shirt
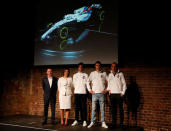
x=116, y=83
x=98, y=80
x=80, y=83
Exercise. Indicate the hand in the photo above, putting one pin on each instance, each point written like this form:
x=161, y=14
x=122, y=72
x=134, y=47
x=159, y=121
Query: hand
x=122, y=95
x=109, y=92
x=104, y=91
x=92, y=92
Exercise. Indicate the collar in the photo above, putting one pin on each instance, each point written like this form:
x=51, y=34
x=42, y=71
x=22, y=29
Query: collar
x=115, y=73
x=99, y=71
x=79, y=72
x=49, y=77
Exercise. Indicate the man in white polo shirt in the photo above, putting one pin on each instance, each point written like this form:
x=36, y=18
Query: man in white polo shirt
x=80, y=95
x=116, y=88
x=98, y=80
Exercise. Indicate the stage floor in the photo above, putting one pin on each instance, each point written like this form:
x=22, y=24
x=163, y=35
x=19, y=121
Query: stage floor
x=33, y=123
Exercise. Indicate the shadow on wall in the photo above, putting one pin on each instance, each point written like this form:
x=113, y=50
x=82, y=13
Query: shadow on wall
x=133, y=97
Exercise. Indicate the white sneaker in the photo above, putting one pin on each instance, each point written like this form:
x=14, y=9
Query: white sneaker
x=75, y=123
x=104, y=125
x=84, y=123
x=91, y=124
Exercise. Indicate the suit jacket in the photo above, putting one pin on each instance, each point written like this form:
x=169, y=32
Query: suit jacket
x=65, y=86
x=49, y=92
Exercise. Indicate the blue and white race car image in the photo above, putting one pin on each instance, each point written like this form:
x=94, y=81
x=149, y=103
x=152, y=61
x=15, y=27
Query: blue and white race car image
x=82, y=17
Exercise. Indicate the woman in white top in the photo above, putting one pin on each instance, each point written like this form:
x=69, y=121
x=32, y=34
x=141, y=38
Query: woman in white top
x=65, y=92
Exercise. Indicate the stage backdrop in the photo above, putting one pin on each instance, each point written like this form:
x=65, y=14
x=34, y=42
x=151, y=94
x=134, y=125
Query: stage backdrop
x=76, y=31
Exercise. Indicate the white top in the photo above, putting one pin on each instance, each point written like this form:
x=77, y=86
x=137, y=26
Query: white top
x=80, y=83
x=50, y=81
x=116, y=83
x=65, y=86
x=98, y=80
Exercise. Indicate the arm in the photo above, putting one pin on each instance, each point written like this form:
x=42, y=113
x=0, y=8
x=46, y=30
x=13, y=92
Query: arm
x=88, y=83
x=43, y=85
x=108, y=86
x=123, y=84
x=105, y=90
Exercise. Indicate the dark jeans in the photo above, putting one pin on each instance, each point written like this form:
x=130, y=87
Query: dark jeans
x=81, y=106
x=52, y=102
x=117, y=100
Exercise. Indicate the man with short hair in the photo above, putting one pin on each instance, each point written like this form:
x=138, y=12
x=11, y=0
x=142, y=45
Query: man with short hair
x=116, y=88
x=80, y=95
x=49, y=84
x=98, y=78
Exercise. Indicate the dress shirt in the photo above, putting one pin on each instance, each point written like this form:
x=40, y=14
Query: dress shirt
x=50, y=81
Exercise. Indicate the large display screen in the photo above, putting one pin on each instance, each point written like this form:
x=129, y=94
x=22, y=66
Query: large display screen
x=69, y=32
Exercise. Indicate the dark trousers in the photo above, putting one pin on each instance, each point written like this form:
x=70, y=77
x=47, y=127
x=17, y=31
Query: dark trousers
x=81, y=106
x=52, y=102
x=117, y=100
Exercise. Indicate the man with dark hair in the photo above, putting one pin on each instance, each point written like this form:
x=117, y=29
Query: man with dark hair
x=116, y=88
x=98, y=62
x=80, y=94
x=49, y=84
x=98, y=78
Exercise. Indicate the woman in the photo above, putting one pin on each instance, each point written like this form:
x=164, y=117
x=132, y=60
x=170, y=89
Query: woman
x=65, y=92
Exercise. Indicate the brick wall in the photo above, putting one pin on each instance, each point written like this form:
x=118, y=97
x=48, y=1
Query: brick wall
x=24, y=95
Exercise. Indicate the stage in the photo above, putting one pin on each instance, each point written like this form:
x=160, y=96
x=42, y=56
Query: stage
x=33, y=123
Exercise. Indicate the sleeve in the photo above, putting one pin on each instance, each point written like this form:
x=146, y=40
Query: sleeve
x=43, y=85
x=57, y=82
x=123, y=84
x=108, y=85
x=88, y=82
x=74, y=80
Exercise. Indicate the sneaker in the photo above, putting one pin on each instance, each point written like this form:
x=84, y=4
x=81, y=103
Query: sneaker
x=104, y=125
x=75, y=123
x=91, y=124
x=84, y=123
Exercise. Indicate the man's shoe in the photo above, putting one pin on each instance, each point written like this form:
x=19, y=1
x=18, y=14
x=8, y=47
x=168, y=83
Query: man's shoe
x=84, y=123
x=75, y=123
x=44, y=123
x=91, y=124
x=104, y=125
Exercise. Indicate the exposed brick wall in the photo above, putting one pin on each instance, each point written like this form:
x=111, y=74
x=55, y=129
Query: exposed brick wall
x=24, y=95
x=14, y=95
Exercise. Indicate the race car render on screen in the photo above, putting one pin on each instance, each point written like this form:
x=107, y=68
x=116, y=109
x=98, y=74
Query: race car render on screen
x=82, y=17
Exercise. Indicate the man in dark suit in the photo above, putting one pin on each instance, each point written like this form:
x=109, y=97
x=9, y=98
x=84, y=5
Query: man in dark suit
x=49, y=84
